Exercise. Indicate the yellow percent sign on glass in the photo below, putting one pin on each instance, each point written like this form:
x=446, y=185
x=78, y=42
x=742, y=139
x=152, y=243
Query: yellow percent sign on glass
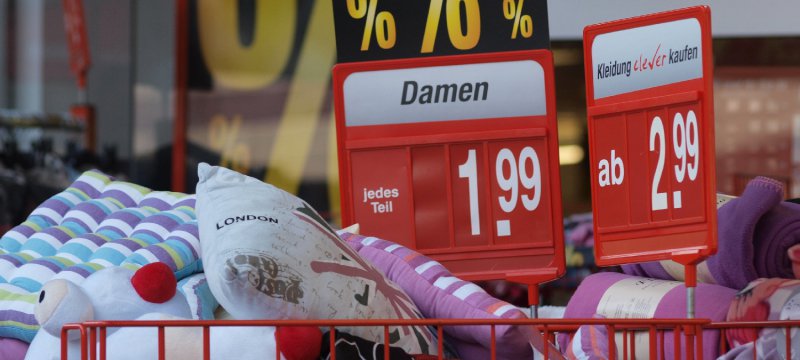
x=223, y=136
x=522, y=23
x=382, y=22
x=462, y=40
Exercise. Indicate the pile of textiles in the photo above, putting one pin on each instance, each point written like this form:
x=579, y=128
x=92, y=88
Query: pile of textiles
x=750, y=278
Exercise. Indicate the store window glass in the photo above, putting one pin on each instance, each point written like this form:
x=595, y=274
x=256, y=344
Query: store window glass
x=44, y=148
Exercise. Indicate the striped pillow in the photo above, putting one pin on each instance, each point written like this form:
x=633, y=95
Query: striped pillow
x=51, y=212
x=94, y=224
x=439, y=294
x=16, y=313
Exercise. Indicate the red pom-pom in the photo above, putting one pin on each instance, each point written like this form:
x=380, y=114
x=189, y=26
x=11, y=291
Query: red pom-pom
x=299, y=342
x=155, y=282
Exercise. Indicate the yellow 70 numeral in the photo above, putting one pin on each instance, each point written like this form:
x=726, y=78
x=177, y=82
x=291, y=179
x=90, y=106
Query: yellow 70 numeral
x=460, y=40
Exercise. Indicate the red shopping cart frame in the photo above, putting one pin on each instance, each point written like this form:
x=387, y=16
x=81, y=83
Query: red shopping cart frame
x=687, y=329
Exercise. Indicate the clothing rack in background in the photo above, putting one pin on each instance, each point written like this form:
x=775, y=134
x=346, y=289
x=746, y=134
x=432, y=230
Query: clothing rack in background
x=40, y=154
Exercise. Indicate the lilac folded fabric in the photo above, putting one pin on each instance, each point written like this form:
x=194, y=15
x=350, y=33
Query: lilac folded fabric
x=615, y=295
x=438, y=294
x=755, y=233
x=12, y=349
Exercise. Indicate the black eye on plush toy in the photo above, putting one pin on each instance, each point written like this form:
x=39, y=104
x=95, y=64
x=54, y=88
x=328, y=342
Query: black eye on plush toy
x=62, y=302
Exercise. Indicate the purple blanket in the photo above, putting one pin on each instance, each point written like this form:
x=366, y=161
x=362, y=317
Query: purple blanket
x=615, y=295
x=756, y=232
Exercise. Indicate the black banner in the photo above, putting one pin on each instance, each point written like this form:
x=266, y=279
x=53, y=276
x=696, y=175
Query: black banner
x=393, y=29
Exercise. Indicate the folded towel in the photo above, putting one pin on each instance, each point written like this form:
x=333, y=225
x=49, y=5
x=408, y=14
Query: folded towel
x=755, y=234
x=614, y=295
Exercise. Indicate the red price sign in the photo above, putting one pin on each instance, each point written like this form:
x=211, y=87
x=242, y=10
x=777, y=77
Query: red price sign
x=456, y=157
x=651, y=134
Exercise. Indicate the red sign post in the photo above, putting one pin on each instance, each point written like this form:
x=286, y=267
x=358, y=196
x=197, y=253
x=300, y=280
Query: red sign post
x=456, y=157
x=651, y=135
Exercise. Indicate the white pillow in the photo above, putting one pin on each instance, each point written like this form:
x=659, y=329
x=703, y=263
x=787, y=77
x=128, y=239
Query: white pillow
x=268, y=255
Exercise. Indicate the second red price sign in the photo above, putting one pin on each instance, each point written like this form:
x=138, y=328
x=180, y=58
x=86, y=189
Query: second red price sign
x=651, y=134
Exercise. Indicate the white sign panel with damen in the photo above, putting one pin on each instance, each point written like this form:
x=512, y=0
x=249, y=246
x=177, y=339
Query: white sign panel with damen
x=441, y=93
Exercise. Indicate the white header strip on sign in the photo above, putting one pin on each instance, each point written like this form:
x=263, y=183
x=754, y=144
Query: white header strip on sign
x=441, y=93
x=649, y=56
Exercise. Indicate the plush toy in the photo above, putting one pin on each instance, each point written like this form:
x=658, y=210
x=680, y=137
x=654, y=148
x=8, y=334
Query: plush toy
x=149, y=294
x=114, y=293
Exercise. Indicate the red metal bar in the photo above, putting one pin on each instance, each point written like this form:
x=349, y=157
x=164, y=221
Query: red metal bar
x=661, y=336
x=676, y=340
x=547, y=326
x=688, y=334
x=753, y=324
x=207, y=343
x=333, y=342
x=788, y=334
x=103, y=332
x=92, y=340
x=533, y=294
x=698, y=336
x=653, y=342
x=723, y=341
x=633, y=344
x=552, y=324
x=161, y=347
x=624, y=344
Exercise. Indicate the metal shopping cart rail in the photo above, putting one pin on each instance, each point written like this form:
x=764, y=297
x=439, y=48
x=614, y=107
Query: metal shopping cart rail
x=683, y=332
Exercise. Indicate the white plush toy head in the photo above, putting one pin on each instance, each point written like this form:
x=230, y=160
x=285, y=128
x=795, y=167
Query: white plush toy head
x=62, y=302
x=114, y=293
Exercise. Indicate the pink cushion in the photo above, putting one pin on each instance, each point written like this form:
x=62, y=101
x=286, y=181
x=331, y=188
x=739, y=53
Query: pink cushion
x=12, y=349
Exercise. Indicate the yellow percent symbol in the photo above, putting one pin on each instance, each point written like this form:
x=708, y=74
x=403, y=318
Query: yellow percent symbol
x=223, y=137
x=382, y=22
x=252, y=66
x=460, y=40
x=522, y=23
x=259, y=65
